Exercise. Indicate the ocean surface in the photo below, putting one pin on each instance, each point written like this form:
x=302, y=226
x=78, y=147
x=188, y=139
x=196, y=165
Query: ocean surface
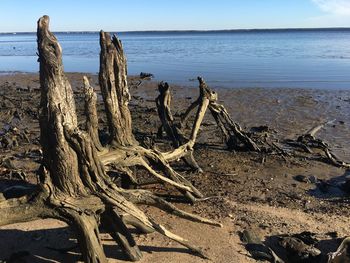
x=281, y=58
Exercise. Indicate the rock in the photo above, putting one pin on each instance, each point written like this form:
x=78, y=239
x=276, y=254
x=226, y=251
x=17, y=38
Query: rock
x=145, y=75
x=249, y=236
x=17, y=191
x=298, y=251
x=313, y=179
x=307, y=237
x=262, y=128
x=301, y=178
x=258, y=249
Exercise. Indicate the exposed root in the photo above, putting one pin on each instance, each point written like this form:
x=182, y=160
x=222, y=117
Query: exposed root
x=238, y=139
x=88, y=237
x=91, y=125
x=163, y=102
x=147, y=198
x=74, y=186
x=23, y=209
x=162, y=230
x=118, y=230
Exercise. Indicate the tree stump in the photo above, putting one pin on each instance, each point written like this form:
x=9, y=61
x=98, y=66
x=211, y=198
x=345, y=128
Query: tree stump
x=234, y=137
x=74, y=186
x=173, y=131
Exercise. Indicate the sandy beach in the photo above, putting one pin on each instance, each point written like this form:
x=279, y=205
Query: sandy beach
x=250, y=191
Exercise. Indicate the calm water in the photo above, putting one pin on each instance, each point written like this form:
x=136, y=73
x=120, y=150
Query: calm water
x=305, y=59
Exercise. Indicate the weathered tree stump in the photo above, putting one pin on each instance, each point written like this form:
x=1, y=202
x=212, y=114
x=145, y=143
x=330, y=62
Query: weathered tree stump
x=234, y=137
x=124, y=151
x=173, y=131
x=74, y=186
x=115, y=91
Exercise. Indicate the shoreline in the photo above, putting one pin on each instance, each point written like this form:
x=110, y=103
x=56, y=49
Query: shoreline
x=289, y=111
x=192, y=83
x=252, y=192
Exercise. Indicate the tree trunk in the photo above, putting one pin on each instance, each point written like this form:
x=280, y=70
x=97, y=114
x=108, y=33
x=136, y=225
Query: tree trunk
x=56, y=107
x=116, y=98
x=115, y=91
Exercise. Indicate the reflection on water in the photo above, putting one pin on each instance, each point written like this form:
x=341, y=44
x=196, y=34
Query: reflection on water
x=309, y=59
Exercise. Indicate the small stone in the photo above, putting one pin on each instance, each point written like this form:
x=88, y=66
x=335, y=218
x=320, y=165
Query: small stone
x=332, y=234
x=313, y=179
x=301, y=178
x=17, y=191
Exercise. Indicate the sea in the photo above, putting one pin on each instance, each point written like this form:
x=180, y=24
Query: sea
x=295, y=58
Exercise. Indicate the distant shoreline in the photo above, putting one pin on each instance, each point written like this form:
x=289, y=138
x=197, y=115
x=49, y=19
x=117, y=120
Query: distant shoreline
x=327, y=29
x=192, y=83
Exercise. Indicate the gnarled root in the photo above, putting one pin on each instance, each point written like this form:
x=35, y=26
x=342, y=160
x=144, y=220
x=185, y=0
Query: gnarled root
x=88, y=236
x=114, y=224
x=235, y=137
x=123, y=200
x=147, y=198
x=173, y=131
x=74, y=186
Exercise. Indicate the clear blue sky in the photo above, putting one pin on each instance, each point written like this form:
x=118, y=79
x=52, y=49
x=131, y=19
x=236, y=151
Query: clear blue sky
x=128, y=15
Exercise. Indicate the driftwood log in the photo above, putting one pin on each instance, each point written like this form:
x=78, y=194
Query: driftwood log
x=74, y=186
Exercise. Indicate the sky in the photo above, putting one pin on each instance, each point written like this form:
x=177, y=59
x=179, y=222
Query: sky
x=134, y=15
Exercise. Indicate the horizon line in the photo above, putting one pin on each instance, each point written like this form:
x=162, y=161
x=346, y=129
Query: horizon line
x=196, y=30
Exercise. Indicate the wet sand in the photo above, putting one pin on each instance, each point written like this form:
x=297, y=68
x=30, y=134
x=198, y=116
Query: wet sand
x=249, y=193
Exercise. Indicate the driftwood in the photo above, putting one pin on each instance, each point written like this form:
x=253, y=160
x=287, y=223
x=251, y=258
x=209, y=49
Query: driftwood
x=233, y=134
x=172, y=129
x=235, y=138
x=74, y=186
x=316, y=148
